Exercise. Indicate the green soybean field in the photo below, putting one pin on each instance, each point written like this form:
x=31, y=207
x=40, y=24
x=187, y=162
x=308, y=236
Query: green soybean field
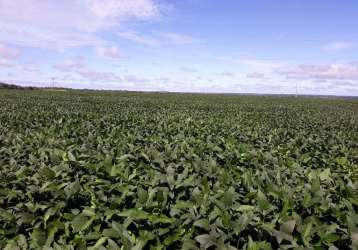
x=126, y=170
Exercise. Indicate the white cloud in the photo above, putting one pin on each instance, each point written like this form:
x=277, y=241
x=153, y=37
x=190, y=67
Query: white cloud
x=77, y=66
x=112, y=52
x=8, y=56
x=188, y=69
x=228, y=74
x=334, y=79
x=79, y=15
x=67, y=23
x=261, y=63
x=176, y=38
x=141, y=39
x=124, y=9
x=157, y=39
x=8, y=53
x=71, y=64
x=5, y=63
x=127, y=80
x=339, y=46
x=135, y=79
x=30, y=36
x=97, y=76
x=320, y=71
x=256, y=75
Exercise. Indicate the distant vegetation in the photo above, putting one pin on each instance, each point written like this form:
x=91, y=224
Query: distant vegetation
x=13, y=86
x=117, y=170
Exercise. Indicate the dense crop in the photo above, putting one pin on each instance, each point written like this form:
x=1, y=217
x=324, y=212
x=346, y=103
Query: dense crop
x=106, y=170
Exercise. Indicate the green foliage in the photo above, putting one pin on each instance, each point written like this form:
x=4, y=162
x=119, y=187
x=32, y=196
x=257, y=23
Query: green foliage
x=112, y=170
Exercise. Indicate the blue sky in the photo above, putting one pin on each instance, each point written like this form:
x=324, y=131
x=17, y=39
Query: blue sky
x=257, y=46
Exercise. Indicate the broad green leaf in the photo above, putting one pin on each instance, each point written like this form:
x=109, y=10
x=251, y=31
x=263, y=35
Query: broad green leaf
x=112, y=245
x=99, y=243
x=73, y=188
x=205, y=240
x=134, y=214
x=262, y=201
x=245, y=208
x=324, y=175
x=202, y=223
x=38, y=238
x=288, y=227
x=354, y=238
x=80, y=223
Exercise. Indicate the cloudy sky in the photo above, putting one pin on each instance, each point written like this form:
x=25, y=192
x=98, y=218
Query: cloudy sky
x=271, y=46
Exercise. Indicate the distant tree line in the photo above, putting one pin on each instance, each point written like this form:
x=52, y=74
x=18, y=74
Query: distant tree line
x=13, y=86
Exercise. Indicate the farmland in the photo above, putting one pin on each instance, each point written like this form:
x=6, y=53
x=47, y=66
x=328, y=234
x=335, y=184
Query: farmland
x=121, y=170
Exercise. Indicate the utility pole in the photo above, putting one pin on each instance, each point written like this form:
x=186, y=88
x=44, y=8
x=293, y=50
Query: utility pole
x=296, y=89
x=53, y=81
